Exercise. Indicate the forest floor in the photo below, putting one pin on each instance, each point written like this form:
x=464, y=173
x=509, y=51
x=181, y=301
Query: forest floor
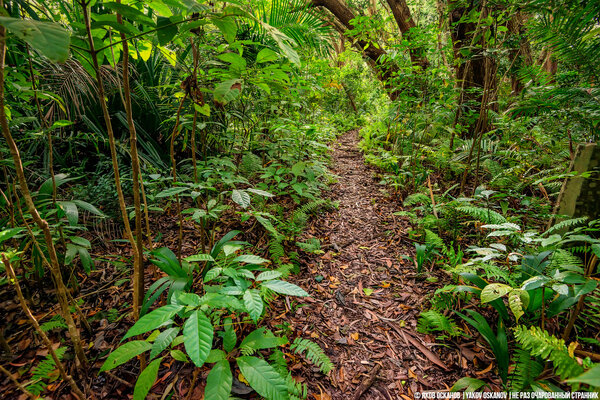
x=365, y=298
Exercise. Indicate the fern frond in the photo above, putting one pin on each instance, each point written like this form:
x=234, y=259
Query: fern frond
x=55, y=322
x=565, y=260
x=276, y=249
x=540, y=343
x=565, y=225
x=416, y=199
x=524, y=372
x=484, y=215
x=312, y=245
x=433, y=321
x=44, y=371
x=313, y=353
x=432, y=239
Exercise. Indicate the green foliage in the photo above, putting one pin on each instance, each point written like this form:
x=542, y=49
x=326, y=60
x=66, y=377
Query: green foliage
x=44, y=372
x=540, y=343
x=312, y=352
x=525, y=371
x=433, y=321
x=484, y=215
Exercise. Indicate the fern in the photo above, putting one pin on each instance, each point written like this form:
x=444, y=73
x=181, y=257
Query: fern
x=250, y=164
x=432, y=239
x=566, y=225
x=312, y=245
x=525, y=371
x=296, y=390
x=276, y=249
x=483, y=214
x=565, y=260
x=540, y=343
x=313, y=353
x=433, y=321
x=55, y=322
x=416, y=199
x=44, y=371
x=300, y=216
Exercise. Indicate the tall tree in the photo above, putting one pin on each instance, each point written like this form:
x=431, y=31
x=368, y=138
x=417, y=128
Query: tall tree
x=374, y=53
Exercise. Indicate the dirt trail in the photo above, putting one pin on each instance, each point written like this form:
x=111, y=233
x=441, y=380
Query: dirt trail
x=364, y=310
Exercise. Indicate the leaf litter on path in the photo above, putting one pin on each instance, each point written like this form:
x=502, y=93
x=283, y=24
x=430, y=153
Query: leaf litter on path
x=364, y=300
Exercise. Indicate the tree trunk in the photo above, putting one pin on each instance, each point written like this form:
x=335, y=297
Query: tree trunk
x=405, y=23
x=471, y=72
x=374, y=54
x=372, y=51
x=519, y=55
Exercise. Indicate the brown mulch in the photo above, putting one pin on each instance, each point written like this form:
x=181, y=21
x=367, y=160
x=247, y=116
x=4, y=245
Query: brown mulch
x=365, y=298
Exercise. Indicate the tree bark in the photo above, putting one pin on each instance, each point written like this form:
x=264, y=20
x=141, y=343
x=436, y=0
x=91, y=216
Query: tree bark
x=406, y=24
x=519, y=55
x=373, y=53
x=471, y=72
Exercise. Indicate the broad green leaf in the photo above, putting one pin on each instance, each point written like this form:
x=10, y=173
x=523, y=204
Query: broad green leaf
x=229, y=336
x=218, y=382
x=171, y=192
x=163, y=341
x=153, y=320
x=84, y=205
x=241, y=197
x=266, y=55
x=263, y=338
x=129, y=12
x=125, y=353
x=260, y=192
x=284, y=287
x=189, y=299
x=236, y=61
x=198, y=337
x=166, y=30
x=263, y=378
x=298, y=168
x=494, y=291
x=590, y=377
x=254, y=304
x=70, y=210
x=49, y=38
x=250, y=259
x=79, y=241
x=203, y=109
x=146, y=380
x=178, y=355
x=199, y=257
x=212, y=274
x=86, y=259
x=215, y=355
x=227, y=91
x=535, y=282
x=467, y=384
x=268, y=275
x=518, y=300
x=9, y=233
x=227, y=26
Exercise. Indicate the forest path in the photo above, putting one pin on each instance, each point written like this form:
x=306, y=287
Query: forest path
x=365, y=299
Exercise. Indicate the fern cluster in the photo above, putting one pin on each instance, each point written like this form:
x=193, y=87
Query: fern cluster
x=43, y=372
x=484, y=215
x=540, y=343
x=56, y=322
x=313, y=353
x=434, y=321
x=525, y=371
